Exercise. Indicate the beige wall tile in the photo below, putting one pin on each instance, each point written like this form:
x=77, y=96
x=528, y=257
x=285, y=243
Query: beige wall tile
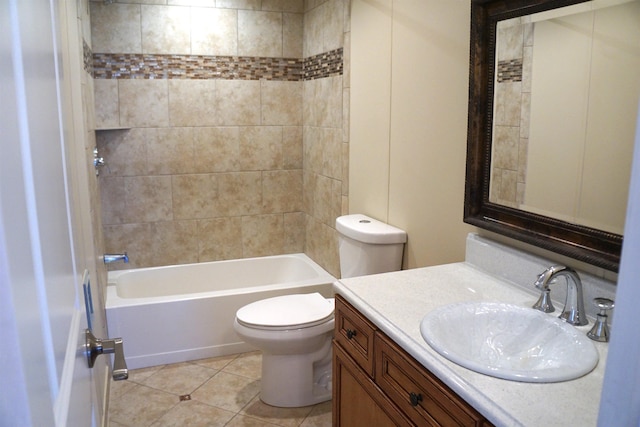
x=217, y=166
x=281, y=103
x=312, y=149
x=292, y=35
x=345, y=169
x=239, y=4
x=322, y=198
x=125, y=151
x=192, y=102
x=296, y=6
x=322, y=245
x=508, y=103
x=115, y=28
x=282, y=191
x=148, y=198
x=135, y=239
x=197, y=3
x=166, y=29
x=171, y=152
x=346, y=106
x=330, y=102
x=259, y=33
x=505, y=153
x=217, y=149
x=194, y=196
x=112, y=201
x=107, y=112
x=238, y=102
x=175, y=242
x=292, y=147
x=260, y=148
x=294, y=231
x=220, y=238
x=308, y=190
x=240, y=193
x=143, y=103
x=333, y=27
x=214, y=31
x=313, y=31
x=332, y=152
x=262, y=235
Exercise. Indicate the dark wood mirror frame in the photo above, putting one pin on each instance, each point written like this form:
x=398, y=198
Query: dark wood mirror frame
x=586, y=244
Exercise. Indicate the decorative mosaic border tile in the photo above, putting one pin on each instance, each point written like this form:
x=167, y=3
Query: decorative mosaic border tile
x=510, y=70
x=324, y=65
x=150, y=66
x=87, y=57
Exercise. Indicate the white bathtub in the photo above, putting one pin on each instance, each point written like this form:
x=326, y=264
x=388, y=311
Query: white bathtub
x=185, y=312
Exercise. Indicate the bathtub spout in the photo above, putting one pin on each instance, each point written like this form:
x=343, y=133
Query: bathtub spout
x=109, y=258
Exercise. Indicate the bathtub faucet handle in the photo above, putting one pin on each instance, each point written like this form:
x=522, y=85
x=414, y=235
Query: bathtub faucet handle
x=109, y=258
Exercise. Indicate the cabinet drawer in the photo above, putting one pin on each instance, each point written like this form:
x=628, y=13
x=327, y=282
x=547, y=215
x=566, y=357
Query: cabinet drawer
x=417, y=392
x=355, y=334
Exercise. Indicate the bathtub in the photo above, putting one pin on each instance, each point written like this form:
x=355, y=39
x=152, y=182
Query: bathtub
x=185, y=312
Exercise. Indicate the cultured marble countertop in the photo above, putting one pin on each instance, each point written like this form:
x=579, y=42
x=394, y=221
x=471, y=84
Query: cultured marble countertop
x=396, y=303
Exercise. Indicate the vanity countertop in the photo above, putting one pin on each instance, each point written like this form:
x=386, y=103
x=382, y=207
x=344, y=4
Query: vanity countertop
x=396, y=303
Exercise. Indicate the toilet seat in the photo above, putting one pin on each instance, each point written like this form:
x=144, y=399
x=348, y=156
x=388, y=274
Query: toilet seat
x=287, y=312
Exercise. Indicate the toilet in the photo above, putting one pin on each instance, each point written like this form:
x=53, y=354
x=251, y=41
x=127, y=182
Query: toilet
x=294, y=332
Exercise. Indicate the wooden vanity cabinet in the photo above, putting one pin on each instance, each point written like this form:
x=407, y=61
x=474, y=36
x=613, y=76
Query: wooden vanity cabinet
x=376, y=383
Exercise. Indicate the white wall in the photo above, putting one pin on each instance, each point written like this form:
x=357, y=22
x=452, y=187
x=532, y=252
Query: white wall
x=409, y=91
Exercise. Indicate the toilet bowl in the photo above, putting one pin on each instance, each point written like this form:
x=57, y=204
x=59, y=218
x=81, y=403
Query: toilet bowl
x=294, y=333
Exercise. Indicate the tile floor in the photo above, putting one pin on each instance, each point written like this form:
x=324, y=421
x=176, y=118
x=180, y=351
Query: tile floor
x=221, y=391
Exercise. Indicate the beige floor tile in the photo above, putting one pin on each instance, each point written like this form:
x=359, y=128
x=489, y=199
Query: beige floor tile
x=281, y=416
x=320, y=416
x=248, y=365
x=194, y=414
x=180, y=378
x=227, y=391
x=139, y=375
x=141, y=406
x=215, y=362
x=118, y=388
x=242, y=421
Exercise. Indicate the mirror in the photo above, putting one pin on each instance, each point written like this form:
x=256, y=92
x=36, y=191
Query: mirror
x=551, y=127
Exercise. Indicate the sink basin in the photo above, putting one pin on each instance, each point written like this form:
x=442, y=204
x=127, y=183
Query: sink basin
x=509, y=342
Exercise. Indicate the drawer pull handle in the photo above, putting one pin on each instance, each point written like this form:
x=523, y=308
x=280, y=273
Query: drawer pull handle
x=415, y=398
x=351, y=333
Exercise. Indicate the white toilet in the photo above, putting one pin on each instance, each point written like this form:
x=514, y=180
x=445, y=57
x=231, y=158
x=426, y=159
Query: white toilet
x=294, y=332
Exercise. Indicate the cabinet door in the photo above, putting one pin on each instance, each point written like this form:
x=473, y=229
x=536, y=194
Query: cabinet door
x=357, y=401
x=417, y=392
x=355, y=334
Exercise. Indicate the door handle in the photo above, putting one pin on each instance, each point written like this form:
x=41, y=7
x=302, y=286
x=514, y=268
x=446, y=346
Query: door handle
x=97, y=346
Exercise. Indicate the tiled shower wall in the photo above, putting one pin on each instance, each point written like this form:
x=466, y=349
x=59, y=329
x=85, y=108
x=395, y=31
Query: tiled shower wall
x=514, y=51
x=222, y=126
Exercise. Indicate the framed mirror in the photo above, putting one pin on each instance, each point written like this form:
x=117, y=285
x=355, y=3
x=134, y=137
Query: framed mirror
x=553, y=98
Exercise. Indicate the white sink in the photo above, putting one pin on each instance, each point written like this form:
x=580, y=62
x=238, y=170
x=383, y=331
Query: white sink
x=509, y=342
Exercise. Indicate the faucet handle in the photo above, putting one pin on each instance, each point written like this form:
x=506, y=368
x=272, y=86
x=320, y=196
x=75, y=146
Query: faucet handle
x=600, y=331
x=544, y=303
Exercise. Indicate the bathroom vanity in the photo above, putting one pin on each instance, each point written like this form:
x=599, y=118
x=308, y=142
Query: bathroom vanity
x=386, y=374
x=378, y=383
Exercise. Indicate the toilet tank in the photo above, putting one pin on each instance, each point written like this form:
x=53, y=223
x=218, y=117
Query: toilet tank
x=368, y=246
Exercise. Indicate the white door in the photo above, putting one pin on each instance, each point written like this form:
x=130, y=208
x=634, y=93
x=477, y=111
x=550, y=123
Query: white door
x=45, y=380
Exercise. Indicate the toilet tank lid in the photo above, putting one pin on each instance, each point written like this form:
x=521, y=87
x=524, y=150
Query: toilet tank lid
x=368, y=230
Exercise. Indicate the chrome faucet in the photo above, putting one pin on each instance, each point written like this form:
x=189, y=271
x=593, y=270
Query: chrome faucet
x=573, y=311
x=109, y=258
